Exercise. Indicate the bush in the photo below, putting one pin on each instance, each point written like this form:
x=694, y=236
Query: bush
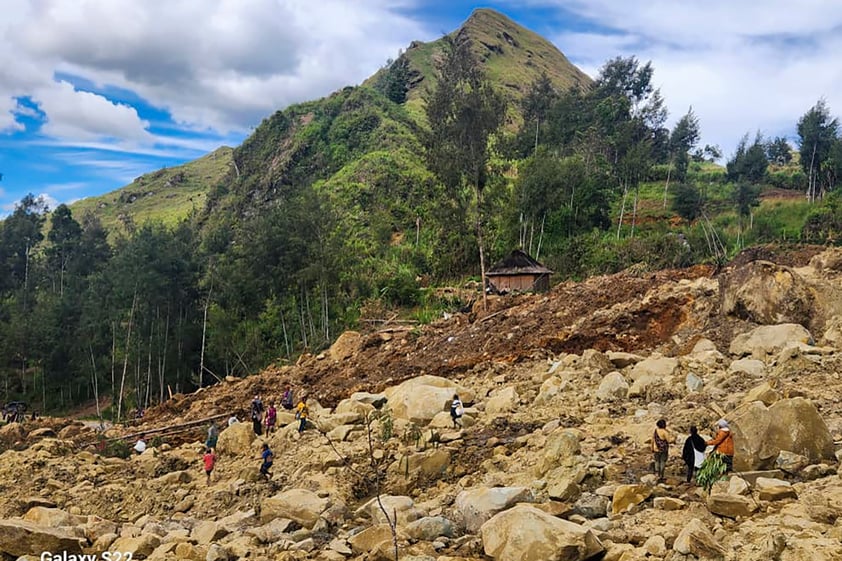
x=794, y=180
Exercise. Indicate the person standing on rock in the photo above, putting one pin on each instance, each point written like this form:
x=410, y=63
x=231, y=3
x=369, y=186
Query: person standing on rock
x=661, y=447
x=271, y=417
x=209, y=460
x=257, y=415
x=286, y=400
x=302, y=412
x=694, y=452
x=140, y=445
x=723, y=443
x=213, y=436
x=267, y=457
x=456, y=411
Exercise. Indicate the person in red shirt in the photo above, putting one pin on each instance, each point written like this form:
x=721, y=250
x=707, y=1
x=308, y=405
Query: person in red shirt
x=210, y=461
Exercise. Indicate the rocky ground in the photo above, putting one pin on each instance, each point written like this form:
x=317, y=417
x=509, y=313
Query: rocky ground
x=562, y=393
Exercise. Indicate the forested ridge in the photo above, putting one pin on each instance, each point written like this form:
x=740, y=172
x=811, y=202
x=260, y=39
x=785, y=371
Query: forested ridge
x=356, y=206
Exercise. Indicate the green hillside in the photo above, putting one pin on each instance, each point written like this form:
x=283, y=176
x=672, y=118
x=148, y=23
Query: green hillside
x=166, y=195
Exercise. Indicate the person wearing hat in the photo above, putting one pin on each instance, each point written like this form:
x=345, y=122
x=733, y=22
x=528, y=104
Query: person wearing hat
x=723, y=443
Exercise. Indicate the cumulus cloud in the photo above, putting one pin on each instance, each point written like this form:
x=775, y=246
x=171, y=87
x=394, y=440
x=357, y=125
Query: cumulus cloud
x=742, y=65
x=218, y=64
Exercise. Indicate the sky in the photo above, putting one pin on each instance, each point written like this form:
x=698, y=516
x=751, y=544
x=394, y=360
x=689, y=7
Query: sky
x=94, y=93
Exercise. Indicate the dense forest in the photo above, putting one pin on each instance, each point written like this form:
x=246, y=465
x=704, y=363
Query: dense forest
x=357, y=206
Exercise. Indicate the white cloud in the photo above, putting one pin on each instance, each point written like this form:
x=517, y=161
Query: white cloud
x=219, y=64
x=742, y=65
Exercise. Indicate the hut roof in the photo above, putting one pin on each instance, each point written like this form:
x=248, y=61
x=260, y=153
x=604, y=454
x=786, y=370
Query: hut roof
x=518, y=263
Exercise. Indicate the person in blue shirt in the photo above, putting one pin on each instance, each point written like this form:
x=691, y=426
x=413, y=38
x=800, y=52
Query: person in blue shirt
x=267, y=456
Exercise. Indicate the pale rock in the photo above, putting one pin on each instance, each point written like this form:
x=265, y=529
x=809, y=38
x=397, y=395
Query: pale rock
x=173, y=478
x=641, y=386
x=307, y=544
x=550, y=388
x=766, y=293
x=769, y=340
x=731, y=506
x=427, y=464
x=207, y=532
x=300, y=505
x=52, y=517
x=504, y=400
x=271, y=531
x=591, y=506
x=189, y=551
x=340, y=546
x=596, y=361
x=236, y=440
x=217, y=553
x=794, y=424
x=629, y=495
x=777, y=493
x=343, y=432
x=737, y=486
x=693, y=383
x=525, y=533
x=695, y=539
x=429, y=528
x=359, y=408
x=613, y=387
x=668, y=503
x=345, y=346
x=403, y=506
x=370, y=538
x=790, y=462
x=478, y=505
x=22, y=537
x=764, y=393
x=621, y=359
x=139, y=547
x=419, y=399
x=656, y=366
x=561, y=448
x=655, y=546
x=327, y=423
x=103, y=543
x=562, y=483
x=376, y=400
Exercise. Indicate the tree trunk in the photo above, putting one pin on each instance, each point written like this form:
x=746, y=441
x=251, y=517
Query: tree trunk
x=479, y=242
x=204, y=334
x=667, y=184
x=622, y=208
x=126, y=359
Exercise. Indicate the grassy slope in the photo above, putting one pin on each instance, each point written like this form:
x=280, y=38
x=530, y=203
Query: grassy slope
x=167, y=195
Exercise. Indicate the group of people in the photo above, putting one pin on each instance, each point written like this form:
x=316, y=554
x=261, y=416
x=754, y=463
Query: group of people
x=694, y=449
x=266, y=418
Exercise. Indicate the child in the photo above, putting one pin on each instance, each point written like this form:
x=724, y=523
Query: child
x=271, y=417
x=456, y=411
x=210, y=461
x=267, y=461
x=301, y=413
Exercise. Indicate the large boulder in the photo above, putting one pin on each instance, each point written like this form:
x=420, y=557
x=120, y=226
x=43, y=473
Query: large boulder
x=526, y=533
x=695, y=539
x=299, y=505
x=346, y=345
x=731, y=506
x=52, y=517
x=420, y=398
x=236, y=440
x=477, y=506
x=561, y=449
x=613, y=387
x=396, y=505
x=655, y=366
x=769, y=340
x=765, y=293
x=626, y=496
x=794, y=425
x=21, y=537
x=140, y=547
x=502, y=401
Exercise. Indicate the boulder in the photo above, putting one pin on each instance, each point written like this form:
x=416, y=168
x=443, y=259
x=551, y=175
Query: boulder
x=270, y=532
x=621, y=360
x=376, y=400
x=766, y=293
x=428, y=464
x=327, y=423
x=52, y=517
x=561, y=448
x=750, y=367
x=346, y=345
x=769, y=340
x=550, y=388
x=613, y=387
x=643, y=384
x=794, y=425
x=22, y=537
x=502, y=401
x=591, y=505
x=429, y=528
x=695, y=539
x=370, y=538
x=208, y=531
x=236, y=440
x=402, y=506
x=790, y=462
x=140, y=547
x=628, y=495
x=693, y=383
x=731, y=506
x=476, y=506
x=668, y=503
x=420, y=398
x=525, y=533
x=655, y=366
x=360, y=408
x=764, y=393
x=299, y=505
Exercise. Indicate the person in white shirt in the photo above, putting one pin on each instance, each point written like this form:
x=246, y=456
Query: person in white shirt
x=140, y=445
x=233, y=420
x=456, y=411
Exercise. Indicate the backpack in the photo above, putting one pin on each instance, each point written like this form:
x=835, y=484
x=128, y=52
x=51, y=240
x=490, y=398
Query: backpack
x=661, y=444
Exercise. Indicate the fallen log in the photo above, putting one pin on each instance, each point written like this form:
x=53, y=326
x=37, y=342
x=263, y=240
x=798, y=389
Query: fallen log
x=179, y=427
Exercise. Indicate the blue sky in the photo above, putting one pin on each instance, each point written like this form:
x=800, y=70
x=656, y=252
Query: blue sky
x=94, y=93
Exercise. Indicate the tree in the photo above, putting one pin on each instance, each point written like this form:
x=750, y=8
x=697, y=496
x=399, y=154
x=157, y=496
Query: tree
x=537, y=102
x=687, y=201
x=778, y=151
x=746, y=197
x=683, y=138
x=393, y=81
x=463, y=112
x=65, y=237
x=749, y=163
x=817, y=132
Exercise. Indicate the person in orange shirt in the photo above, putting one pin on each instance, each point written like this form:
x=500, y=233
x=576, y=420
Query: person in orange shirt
x=723, y=443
